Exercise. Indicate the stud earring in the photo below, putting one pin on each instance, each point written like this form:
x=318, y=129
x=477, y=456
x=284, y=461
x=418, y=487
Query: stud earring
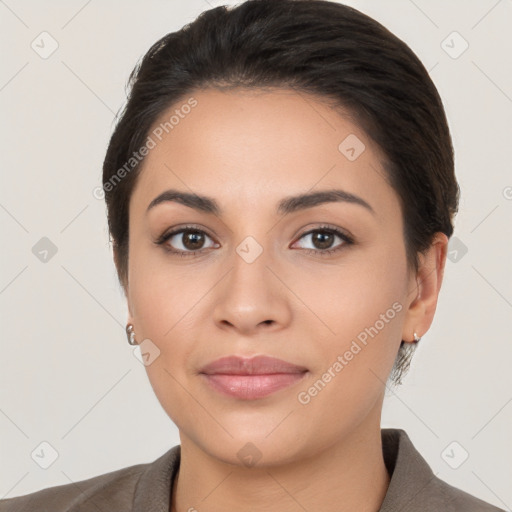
x=130, y=334
x=416, y=338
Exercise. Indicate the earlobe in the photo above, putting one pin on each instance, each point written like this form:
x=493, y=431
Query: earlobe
x=130, y=334
x=428, y=280
x=130, y=329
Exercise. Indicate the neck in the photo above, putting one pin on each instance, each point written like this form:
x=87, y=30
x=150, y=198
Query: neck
x=345, y=476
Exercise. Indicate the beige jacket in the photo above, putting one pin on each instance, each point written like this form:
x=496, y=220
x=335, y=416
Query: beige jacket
x=147, y=487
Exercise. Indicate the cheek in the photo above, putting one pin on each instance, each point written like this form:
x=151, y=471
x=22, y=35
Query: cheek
x=162, y=300
x=161, y=293
x=360, y=307
x=351, y=295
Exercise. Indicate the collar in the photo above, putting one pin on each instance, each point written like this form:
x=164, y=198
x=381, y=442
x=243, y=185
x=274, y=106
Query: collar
x=410, y=475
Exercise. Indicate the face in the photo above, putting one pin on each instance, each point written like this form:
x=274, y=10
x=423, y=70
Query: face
x=322, y=284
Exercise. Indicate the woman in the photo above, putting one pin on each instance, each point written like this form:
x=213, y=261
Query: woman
x=280, y=191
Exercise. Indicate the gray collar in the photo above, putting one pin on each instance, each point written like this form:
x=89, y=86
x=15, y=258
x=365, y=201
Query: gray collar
x=413, y=485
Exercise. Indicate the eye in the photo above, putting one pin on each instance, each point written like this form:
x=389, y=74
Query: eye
x=189, y=240
x=323, y=238
x=185, y=241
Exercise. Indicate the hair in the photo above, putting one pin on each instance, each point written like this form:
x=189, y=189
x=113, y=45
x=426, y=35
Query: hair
x=319, y=47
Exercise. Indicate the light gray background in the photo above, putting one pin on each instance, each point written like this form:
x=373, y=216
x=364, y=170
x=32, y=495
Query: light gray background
x=68, y=376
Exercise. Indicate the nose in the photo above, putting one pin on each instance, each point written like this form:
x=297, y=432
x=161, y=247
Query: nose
x=252, y=298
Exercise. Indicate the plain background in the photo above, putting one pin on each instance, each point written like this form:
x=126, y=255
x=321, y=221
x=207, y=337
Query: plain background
x=68, y=376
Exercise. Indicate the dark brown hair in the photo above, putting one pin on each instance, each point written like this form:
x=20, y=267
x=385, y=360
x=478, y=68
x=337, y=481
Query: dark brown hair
x=313, y=46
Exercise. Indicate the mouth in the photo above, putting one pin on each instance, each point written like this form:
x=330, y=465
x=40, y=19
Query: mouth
x=251, y=378
x=251, y=387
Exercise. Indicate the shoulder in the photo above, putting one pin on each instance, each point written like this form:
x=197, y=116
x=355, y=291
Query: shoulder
x=115, y=488
x=443, y=496
x=414, y=486
x=112, y=491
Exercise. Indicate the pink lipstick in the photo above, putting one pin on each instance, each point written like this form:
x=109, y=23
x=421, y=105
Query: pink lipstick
x=251, y=378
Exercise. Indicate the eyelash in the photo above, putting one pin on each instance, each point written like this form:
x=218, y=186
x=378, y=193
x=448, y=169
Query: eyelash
x=323, y=229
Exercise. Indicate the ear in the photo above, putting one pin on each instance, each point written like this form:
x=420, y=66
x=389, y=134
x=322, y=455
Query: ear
x=425, y=287
x=123, y=283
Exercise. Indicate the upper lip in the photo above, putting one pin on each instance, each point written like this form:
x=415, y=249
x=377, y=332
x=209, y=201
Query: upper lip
x=257, y=365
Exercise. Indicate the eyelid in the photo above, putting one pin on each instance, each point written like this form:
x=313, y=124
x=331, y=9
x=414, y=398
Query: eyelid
x=328, y=227
x=345, y=236
x=178, y=229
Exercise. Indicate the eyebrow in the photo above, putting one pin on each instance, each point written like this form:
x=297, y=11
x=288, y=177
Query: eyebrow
x=286, y=206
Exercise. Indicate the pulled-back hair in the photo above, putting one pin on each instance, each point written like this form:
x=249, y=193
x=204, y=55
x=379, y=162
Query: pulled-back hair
x=312, y=46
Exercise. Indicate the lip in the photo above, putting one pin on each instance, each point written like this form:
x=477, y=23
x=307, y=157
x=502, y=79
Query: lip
x=251, y=378
x=257, y=365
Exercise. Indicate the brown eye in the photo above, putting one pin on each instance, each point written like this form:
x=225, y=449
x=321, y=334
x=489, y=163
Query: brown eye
x=323, y=239
x=185, y=241
x=192, y=240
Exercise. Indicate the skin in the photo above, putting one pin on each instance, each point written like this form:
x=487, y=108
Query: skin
x=248, y=150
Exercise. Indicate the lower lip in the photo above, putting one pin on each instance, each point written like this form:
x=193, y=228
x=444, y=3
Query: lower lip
x=251, y=387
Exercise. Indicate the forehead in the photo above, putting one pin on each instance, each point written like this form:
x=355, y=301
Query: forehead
x=248, y=147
